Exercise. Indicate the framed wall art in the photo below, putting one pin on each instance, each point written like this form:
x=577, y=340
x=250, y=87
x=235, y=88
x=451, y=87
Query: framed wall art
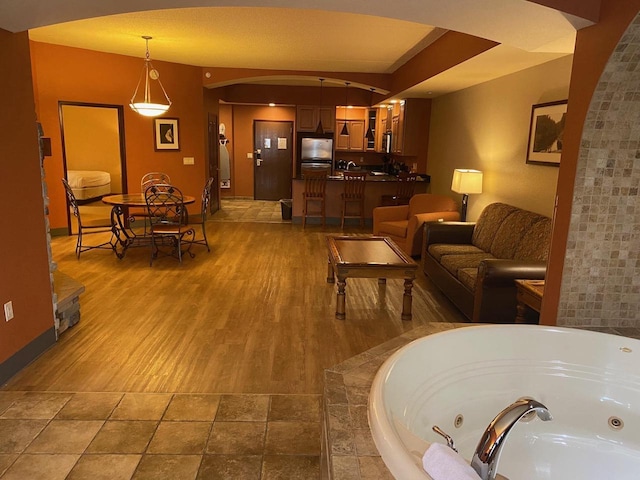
x=165, y=133
x=546, y=133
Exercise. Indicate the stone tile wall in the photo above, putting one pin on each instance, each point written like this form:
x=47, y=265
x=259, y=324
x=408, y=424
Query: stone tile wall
x=601, y=279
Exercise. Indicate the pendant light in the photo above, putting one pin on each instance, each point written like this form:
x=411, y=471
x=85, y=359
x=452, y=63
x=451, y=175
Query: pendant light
x=369, y=135
x=345, y=129
x=147, y=107
x=320, y=129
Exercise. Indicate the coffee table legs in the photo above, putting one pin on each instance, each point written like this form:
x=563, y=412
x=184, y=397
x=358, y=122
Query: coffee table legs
x=406, y=299
x=340, y=299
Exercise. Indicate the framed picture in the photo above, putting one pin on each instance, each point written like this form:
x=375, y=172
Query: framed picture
x=546, y=133
x=165, y=133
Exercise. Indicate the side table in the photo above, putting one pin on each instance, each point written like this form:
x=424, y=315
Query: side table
x=529, y=296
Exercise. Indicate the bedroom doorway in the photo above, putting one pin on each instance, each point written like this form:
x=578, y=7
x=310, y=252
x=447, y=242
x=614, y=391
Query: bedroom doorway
x=93, y=154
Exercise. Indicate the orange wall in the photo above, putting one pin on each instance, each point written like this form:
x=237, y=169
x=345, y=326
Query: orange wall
x=24, y=271
x=241, y=136
x=594, y=46
x=77, y=75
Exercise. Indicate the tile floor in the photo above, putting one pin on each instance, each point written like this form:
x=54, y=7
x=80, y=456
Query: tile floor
x=122, y=436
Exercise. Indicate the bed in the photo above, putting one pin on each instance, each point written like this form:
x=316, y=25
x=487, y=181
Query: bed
x=89, y=184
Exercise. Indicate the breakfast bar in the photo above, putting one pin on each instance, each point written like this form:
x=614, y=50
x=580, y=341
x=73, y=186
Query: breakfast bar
x=377, y=186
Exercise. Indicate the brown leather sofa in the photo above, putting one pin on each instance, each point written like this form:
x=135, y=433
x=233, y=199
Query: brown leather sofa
x=475, y=265
x=403, y=223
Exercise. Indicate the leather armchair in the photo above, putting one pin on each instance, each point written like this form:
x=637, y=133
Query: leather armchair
x=403, y=223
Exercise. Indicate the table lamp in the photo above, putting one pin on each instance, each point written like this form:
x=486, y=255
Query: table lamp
x=466, y=181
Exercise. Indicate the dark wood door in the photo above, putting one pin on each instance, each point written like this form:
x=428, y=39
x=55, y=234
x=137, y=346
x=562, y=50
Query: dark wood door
x=272, y=159
x=214, y=162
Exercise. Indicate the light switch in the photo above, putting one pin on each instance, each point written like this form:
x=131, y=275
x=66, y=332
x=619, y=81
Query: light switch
x=188, y=161
x=250, y=155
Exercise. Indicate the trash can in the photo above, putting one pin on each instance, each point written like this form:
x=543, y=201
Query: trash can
x=286, y=205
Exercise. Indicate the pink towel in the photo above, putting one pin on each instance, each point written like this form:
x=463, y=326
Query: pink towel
x=442, y=463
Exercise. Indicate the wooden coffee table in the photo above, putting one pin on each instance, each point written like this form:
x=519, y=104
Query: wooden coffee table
x=369, y=257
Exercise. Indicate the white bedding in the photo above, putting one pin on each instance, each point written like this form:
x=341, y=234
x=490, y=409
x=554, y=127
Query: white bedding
x=87, y=178
x=88, y=184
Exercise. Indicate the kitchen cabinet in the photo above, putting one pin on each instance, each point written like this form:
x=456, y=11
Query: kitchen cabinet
x=410, y=127
x=353, y=142
x=308, y=117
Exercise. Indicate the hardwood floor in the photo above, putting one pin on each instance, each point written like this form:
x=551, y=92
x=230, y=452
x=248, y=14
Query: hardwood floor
x=253, y=316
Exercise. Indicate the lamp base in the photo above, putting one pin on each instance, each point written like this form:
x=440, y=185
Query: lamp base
x=463, y=212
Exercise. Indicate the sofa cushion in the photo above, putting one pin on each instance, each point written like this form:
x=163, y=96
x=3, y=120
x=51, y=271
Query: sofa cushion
x=488, y=224
x=511, y=232
x=535, y=244
x=397, y=228
x=467, y=277
x=439, y=249
x=453, y=263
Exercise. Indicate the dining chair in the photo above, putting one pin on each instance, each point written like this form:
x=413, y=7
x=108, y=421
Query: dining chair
x=405, y=189
x=315, y=185
x=204, y=211
x=148, y=179
x=88, y=228
x=168, y=220
x=353, y=193
x=152, y=178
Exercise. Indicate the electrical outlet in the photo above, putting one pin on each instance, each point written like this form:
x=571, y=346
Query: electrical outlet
x=8, y=311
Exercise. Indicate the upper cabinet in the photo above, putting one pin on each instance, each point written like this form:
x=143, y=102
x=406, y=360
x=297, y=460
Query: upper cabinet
x=410, y=127
x=308, y=117
x=355, y=119
x=355, y=141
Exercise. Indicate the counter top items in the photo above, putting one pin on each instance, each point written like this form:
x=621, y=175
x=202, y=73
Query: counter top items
x=476, y=265
x=404, y=223
x=368, y=257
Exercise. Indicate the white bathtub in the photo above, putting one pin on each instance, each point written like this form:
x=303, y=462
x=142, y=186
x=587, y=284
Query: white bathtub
x=587, y=380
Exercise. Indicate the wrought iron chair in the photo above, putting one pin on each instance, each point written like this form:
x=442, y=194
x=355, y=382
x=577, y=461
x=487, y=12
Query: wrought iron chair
x=404, y=190
x=146, y=181
x=168, y=220
x=204, y=211
x=86, y=229
x=354, y=184
x=153, y=178
x=315, y=185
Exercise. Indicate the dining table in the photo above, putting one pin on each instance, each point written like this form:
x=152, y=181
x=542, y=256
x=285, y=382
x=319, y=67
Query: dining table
x=130, y=228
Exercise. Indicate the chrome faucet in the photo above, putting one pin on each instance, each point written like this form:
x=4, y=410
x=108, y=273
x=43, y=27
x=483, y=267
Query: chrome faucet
x=351, y=164
x=485, y=460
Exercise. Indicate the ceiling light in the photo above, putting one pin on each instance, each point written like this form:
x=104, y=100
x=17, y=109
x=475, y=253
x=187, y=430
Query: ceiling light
x=272, y=104
x=320, y=128
x=370, y=135
x=345, y=129
x=147, y=107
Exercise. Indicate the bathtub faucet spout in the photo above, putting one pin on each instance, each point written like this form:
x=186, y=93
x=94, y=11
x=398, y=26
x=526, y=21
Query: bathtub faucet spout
x=485, y=460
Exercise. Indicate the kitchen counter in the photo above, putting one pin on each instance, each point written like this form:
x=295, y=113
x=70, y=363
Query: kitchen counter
x=377, y=185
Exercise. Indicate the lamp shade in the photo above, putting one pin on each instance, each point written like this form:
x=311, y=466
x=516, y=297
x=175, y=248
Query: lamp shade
x=466, y=181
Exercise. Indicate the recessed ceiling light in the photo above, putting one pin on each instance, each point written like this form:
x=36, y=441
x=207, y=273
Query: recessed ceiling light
x=272, y=104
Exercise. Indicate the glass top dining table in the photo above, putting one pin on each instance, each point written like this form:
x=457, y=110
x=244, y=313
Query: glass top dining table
x=123, y=221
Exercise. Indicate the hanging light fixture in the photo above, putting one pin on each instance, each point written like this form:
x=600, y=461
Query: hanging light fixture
x=369, y=135
x=320, y=128
x=146, y=107
x=345, y=129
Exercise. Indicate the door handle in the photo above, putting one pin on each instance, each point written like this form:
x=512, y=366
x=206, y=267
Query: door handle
x=258, y=162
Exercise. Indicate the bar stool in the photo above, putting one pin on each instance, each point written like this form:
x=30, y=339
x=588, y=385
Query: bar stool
x=404, y=190
x=354, y=184
x=315, y=185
